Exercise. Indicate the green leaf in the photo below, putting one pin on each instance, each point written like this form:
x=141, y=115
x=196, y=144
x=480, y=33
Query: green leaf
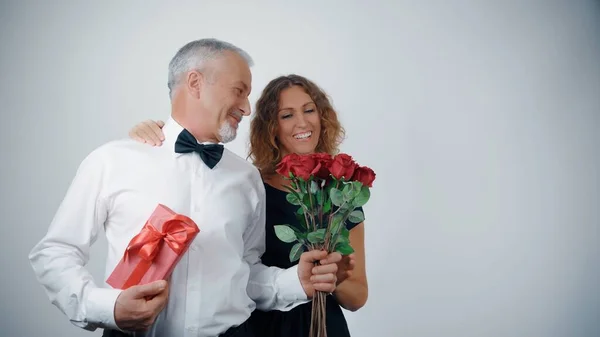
x=317, y=236
x=342, y=239
x=345, y=232
x=301, y=219
x=319, y=197
x=356, y=217
x=292, y=198
x=301, y=236
x=302, y=185
x=306, y=200
x=347, y=192
x=334, y=229
x=290, y=188
x=339, y=240
x=295, y=252
x=300, y=211
x=362, y=197
x=356, y=188
x=285, y=233
x=344, y=249
x=327, y=205
x=335, y=223
x=346, y=207
x=295, y=192
x=336, y=197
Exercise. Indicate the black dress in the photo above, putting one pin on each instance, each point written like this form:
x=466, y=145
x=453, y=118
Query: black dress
x=296, y=322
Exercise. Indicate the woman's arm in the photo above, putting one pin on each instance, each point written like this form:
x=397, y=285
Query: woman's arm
x=352, y=289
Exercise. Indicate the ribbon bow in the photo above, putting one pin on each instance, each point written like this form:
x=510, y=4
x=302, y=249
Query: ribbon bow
x=147, y=243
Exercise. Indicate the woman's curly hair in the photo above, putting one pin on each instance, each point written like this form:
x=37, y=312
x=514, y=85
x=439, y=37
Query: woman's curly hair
x=265, y=147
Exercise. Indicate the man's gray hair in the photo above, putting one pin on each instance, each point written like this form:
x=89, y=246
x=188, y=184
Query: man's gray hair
x=194, y=54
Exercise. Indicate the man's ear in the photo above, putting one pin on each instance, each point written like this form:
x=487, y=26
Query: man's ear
x=194, y=83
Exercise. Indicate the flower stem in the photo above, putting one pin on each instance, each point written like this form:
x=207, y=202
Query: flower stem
x=312, y=216
x=318, y=326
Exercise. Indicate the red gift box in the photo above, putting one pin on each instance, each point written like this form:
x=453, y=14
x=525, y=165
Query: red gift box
x=153, y=253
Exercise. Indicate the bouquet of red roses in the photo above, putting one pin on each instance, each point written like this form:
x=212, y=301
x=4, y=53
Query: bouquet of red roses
x=327, y=190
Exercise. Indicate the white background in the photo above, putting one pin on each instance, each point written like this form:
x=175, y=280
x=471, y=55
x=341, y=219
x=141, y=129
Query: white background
x=481, y=119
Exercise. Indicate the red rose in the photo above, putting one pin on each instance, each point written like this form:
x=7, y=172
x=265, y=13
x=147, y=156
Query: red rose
x=365, y=175
x=285, y=165
x=342, y=166
x=305, y=166
x=321, y=170
x=300, y=166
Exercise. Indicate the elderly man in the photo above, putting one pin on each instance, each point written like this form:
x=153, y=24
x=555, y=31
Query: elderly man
x=220, y=280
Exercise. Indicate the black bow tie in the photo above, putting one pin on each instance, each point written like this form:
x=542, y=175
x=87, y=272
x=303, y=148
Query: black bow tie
x=209, y=153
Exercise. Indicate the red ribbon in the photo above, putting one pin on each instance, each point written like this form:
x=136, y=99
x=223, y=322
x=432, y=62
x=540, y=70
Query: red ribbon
x=149, y=241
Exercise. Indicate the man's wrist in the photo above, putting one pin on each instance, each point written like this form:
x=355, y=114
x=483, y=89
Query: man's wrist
x=100, y=307
x=290, y=288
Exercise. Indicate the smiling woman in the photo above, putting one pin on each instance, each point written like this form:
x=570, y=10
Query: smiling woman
x=292, y=115
x=298, y=120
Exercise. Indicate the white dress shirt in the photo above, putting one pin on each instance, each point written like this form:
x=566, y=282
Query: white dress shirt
x=216, y=284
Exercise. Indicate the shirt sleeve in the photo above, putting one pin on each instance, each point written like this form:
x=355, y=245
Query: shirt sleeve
x=59, y=259
x=271, y=288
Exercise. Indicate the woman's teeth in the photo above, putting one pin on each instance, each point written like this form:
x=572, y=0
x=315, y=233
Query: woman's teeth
x=303, y=135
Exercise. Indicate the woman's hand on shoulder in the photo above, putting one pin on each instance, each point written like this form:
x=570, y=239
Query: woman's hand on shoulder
x=148, y=132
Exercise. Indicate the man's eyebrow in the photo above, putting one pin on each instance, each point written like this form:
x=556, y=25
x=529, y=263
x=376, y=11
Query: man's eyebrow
x=242, y=84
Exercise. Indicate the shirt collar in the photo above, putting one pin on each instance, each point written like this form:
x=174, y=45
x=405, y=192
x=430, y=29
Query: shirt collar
x=171, y=131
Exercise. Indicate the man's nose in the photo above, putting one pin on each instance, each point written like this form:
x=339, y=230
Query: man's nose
x=245, y=108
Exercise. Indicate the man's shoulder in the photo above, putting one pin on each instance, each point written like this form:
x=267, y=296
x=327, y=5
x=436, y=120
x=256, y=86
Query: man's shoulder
x=241, y=164
x=116, y=150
